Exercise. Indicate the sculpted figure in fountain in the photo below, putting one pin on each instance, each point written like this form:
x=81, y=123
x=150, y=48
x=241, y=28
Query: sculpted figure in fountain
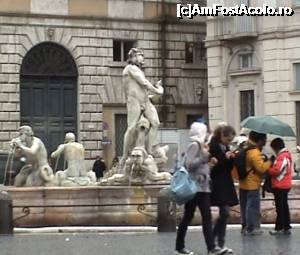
x=139, y=168
x=138, y=92
x=76, y=173
x=138, y=164
x=37, y=171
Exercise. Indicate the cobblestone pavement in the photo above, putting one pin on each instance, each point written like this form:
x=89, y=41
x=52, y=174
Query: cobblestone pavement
x=134, y=243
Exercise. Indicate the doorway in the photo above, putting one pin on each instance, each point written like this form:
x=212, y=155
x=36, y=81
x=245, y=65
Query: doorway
x=48, y=93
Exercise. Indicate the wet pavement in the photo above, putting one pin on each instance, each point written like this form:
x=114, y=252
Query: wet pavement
x=142, y=243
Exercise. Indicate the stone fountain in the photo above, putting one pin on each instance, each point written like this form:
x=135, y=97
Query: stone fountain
x=128, y=194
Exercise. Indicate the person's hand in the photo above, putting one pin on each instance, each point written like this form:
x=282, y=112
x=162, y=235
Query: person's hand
x=213, y=161
x=229, y=155
x=264, y=157
x=272, y=158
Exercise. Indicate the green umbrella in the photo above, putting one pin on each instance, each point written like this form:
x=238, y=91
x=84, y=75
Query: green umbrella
x=267, y=125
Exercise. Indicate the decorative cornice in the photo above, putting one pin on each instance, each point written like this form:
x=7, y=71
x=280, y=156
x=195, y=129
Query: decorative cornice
x=279, y=34
x=157, y=20
x=244, y=72
x=267, y=35
x=210, y=43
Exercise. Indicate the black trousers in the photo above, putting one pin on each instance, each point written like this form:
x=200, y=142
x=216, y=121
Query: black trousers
x=202, y=200
x=282, y=209
x=219, y=230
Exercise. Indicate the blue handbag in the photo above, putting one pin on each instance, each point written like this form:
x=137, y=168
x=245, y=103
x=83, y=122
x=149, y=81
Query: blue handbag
x=183, y=188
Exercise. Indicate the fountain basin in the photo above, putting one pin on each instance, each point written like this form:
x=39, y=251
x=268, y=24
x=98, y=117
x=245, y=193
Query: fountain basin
x=70, y=206
x=113, y=206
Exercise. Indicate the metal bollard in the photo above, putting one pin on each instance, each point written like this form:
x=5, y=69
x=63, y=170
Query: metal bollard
x=166, y=215
x=6, y=221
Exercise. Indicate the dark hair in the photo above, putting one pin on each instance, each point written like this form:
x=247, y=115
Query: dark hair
x=223, y=130
x=257, y=137
x=277, y=144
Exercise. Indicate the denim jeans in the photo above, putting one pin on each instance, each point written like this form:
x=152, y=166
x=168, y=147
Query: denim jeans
x=250, y=209
x=202, y=201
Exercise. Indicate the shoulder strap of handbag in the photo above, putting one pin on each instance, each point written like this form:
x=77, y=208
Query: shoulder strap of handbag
x=184, y=158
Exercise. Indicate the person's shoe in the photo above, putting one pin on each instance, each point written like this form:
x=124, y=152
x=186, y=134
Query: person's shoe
x=184, y=251
x=228, y=250
x=276, y=232
x=217, y=251
x=287, y=232
x=254, y=232
x=244, y=231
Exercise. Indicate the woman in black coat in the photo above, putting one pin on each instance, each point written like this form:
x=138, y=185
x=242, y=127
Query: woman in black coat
x=223, y=192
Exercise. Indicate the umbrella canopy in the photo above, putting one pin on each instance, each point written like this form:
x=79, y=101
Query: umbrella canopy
x=267, y=125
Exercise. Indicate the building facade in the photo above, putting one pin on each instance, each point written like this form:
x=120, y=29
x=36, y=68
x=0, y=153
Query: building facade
x=61, y=65
x=254, y=65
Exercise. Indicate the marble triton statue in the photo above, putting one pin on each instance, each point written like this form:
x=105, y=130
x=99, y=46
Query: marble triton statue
x=37, y=171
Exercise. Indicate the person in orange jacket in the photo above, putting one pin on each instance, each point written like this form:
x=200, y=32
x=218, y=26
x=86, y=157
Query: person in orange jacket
x=249, y=187
x=281, y=177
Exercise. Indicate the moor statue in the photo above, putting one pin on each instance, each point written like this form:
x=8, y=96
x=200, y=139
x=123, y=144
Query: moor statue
x=138, y=91
x=139, y=163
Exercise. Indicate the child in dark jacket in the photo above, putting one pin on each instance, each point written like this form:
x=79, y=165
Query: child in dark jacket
x=281, y=177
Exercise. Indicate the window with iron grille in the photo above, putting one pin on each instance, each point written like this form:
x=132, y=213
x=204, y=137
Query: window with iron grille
x=245, y=61
x=195, y=52
x=121, y=49
x=120, y=129
x=246, y=103
x=297, y=76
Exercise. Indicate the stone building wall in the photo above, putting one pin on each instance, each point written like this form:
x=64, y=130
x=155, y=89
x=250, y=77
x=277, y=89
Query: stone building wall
x=274, y=45
x=86, y=29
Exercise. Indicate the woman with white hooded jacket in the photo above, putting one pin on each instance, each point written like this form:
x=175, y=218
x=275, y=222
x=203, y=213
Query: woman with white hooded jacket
x=197, y=163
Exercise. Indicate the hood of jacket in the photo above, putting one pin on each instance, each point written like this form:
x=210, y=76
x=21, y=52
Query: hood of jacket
x=198, y=132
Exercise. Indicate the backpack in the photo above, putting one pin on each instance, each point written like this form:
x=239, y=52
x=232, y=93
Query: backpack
x=267, y=186
x=240, y=162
